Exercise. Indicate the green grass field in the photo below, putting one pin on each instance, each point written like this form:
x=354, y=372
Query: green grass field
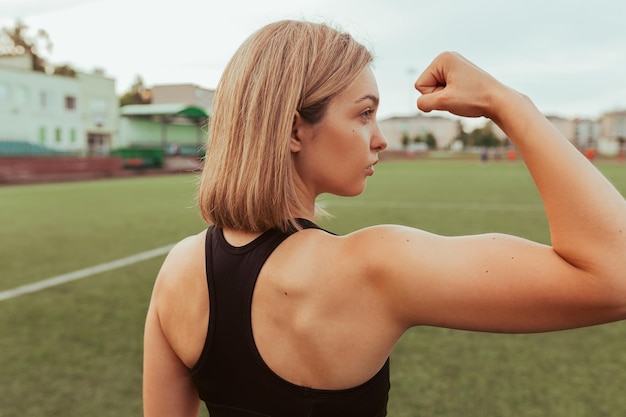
x=75, y=349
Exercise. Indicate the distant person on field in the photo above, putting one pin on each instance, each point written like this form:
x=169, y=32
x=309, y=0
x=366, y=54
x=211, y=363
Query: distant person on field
x=484, y=156
x=267, y=314
x=511, y=155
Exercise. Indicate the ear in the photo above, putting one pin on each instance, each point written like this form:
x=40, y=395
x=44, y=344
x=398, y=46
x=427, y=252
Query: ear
x=299, y=132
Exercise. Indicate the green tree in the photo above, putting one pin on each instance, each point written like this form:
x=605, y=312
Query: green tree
x=138, y=93
x=431, y=141
x=17, y=41
x=405, y=140
x=65, y=70
x=483, y=137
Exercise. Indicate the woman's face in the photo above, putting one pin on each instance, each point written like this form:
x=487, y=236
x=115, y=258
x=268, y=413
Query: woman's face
x=338, y=153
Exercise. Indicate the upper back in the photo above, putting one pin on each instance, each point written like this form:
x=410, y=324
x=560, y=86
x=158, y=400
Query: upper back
x=311, y=325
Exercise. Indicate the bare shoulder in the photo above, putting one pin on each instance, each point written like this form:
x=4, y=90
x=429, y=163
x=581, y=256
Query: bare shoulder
x=370, y=247
x=387, y=242
x=372, y=234
x=181, y=264
x=371, y=252
x=180, y=297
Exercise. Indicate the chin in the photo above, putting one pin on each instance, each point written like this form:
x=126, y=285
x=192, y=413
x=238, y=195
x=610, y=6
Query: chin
x=351, y=192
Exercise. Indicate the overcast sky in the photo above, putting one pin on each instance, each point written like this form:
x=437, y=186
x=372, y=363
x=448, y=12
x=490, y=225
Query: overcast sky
x=569, y=56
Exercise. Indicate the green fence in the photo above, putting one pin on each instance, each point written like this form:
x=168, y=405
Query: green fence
x=138, y=158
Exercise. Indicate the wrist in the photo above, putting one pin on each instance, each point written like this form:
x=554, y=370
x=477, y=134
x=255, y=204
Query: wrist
x=507, y=106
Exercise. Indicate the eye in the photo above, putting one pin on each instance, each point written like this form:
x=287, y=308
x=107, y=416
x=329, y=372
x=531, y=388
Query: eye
x=367, y=114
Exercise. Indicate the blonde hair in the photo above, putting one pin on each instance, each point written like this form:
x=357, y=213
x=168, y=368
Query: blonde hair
x=288, y=66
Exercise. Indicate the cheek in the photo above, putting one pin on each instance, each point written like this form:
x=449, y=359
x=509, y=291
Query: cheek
x=356, y=137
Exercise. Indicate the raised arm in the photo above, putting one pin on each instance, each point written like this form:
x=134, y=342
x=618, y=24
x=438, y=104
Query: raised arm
x=502, y=283
x=587, y=215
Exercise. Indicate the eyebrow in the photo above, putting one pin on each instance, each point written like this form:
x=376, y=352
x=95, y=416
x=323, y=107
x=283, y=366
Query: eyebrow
x=372, y=97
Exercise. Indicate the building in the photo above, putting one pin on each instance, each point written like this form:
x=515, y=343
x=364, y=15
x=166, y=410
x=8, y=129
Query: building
x=612, y=132
x=99, y=111
x=188, y=94
x=613, y=125
x=602, y=135
x=174, y=121
x=583, y=133
x=70, y=113
x=588, y=133
x=171, y=127
x=395, y=129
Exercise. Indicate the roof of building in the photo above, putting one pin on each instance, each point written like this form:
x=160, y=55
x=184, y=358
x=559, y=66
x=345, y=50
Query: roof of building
x=169, y=109
x=23, y=148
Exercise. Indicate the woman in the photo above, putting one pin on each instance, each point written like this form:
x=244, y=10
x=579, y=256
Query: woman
x=265, y=314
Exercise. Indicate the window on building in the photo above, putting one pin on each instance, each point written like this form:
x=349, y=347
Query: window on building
x=73, y=135
x=70, y=102
x=57, y=135
x=21, y=94
x=43, y=99
x=42, y=135
x=98, y=109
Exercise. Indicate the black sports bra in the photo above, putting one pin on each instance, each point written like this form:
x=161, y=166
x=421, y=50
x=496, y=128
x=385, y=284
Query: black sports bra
x=231, y=377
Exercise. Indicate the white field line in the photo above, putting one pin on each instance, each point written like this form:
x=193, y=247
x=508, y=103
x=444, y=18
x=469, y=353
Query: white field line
x=432, y=206
x=83, y=273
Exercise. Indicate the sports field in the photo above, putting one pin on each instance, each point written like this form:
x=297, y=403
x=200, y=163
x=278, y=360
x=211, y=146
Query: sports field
x=75, y=349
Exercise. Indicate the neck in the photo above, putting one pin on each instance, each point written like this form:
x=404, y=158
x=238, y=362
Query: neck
x=306, y=197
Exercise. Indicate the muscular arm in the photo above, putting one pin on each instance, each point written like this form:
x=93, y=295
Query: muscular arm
x=502, y=283
x=491, y=282
x=587, y=215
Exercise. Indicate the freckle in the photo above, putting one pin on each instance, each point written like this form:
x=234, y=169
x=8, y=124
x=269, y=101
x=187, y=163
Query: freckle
x=285, y=292
x=512, y=257
x=408, y=240
x=486, y=271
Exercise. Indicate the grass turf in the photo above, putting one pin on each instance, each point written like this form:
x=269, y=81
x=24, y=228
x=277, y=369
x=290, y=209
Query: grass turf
x=75, y=349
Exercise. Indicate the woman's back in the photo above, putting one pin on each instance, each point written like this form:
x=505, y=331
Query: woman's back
x=312, y=323
x=315, y=320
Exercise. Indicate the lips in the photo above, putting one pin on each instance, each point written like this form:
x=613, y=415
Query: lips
x=370, y=168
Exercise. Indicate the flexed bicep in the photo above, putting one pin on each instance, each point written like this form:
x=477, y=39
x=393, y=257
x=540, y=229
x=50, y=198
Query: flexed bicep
x=491, y=282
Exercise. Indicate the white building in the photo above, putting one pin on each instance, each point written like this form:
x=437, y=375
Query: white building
x=76, y=114
x=613, y=132
x=445, y=130
x=584, y=133
x=187, y=94
x=588, y=133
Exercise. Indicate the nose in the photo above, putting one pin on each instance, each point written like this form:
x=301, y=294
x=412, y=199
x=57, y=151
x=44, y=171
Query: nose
x=378, y=142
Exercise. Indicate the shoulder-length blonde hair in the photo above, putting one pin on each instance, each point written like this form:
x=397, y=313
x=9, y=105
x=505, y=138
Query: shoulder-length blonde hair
x=288, y=66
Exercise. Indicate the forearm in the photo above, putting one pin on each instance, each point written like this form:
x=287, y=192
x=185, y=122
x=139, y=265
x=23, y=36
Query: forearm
x=587, y=215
